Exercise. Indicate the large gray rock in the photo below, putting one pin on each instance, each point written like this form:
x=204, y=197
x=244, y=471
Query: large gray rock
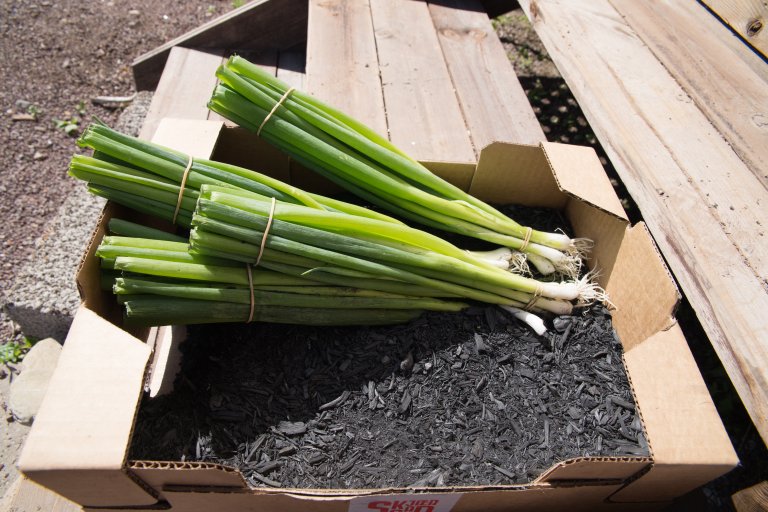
x=28, y=389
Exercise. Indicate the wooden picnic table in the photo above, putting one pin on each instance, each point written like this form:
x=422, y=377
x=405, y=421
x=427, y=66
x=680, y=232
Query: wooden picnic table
x=680, y=105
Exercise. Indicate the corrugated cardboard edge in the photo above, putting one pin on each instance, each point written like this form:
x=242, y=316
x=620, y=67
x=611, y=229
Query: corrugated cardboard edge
x=690, y=444
x=595, y=468
x=79, y=441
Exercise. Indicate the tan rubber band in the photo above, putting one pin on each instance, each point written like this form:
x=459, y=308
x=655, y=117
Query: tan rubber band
x=181, y=189
x=531, y=303
x=280, y=102
x=527, y=239
x=266, y=231
x=250, y=285
x=258, y=259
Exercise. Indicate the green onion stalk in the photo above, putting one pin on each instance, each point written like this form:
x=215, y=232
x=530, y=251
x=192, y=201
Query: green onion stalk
x=161, y=283
x=368, y=165
x=231, y=224
x=147, y=177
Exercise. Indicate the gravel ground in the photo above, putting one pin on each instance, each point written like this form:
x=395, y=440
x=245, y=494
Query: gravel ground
x=54, y=57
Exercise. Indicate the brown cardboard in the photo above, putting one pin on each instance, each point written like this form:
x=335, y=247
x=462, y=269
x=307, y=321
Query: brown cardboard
x=90, y=462
x=685, y=433
x=166, y=359
x=638, y=279
x=534, y=498
x=688, y=443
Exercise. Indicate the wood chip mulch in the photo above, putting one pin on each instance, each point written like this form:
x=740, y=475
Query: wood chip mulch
x=448, y=399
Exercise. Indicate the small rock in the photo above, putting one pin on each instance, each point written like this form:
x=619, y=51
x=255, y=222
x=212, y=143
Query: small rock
x=481, y=346
x=407, y=364
x=23, y=104
x=39, y=156
x=28, y=389
x=65, y=64
x=291, y=428
x=134, y=12
x=561, y=323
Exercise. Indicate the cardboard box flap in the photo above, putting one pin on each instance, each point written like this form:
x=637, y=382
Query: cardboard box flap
x=83, y=429
x=498, y=178
x=688, y=442
x=595, y=468
x=641, y=288
x=579, y=173
x=457, y=174
x=238, y=146
x=191, y=136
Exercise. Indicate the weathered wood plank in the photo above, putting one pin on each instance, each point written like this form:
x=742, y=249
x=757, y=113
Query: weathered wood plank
x=184, y=89
x=683, y=175
x=748, y=18
x=423, y=114
x=258, y=25
x=342, y=65
x=753, y=499
x=291, y=65
x=719, y=78
x=266, y=59
x=493, y=102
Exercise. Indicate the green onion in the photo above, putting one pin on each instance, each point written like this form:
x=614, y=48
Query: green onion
x=353, y=156
x=147, y=177
x=162, y=283
x=234, y=224
x=153, y=310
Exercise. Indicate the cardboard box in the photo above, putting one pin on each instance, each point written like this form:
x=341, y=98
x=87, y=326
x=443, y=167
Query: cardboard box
x=79, y=443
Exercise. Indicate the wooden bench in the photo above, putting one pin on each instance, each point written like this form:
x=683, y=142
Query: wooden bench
x=680, y=105
x=433, y=76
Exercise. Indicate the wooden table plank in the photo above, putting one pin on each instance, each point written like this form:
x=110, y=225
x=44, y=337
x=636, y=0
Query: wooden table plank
x=342, y=66
x=423, y=113
x=748, y=18
x=291, y=65
x=721, y=80
x=753, y=499
x=492, y=100
x=683, y=175
x=258, y=25
x=184, y=89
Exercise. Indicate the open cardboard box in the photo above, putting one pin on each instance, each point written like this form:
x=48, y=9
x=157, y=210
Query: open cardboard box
x=79, y=443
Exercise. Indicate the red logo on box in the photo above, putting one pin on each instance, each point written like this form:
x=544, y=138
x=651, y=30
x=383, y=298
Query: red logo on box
x=404, y=505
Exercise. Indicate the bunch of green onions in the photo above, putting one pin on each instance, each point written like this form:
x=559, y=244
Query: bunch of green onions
x=368, y=165
x=160, y=282
x=301, y=241
x=147, y=177
x=331, y=247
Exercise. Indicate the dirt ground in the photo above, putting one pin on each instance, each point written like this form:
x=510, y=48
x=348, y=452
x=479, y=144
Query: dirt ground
x=55, y=55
